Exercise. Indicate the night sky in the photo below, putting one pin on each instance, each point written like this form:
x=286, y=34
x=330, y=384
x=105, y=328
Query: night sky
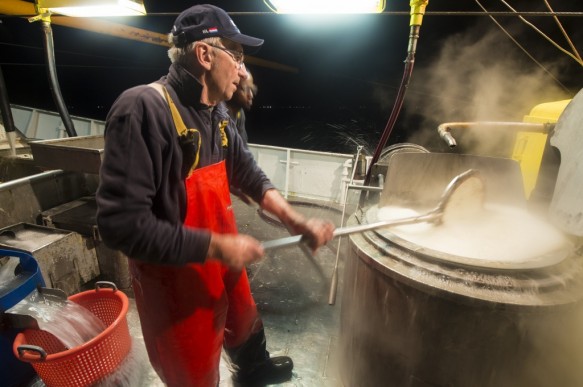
x=349, y=69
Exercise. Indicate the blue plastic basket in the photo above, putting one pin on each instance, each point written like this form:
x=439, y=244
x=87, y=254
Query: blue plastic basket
x=14, y=372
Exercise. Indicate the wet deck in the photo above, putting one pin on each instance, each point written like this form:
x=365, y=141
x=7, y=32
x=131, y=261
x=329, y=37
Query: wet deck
x=291, y=293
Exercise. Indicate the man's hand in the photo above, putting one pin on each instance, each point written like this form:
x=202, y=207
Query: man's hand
x=235, y=251
x=317, y=232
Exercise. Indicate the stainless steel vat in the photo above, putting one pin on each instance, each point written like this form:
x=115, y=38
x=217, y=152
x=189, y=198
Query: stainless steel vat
x=409, y=320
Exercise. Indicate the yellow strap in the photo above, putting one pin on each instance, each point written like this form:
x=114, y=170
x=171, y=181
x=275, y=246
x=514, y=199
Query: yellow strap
x=180, y=127
x=178, y=123
x=224, y=139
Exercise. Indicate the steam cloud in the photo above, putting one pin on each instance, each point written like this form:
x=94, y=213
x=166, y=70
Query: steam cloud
x=478, y=76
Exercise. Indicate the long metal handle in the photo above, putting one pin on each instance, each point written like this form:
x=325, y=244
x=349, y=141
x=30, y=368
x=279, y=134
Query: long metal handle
x=296, y=239
x=333, y=286
x=282, y=242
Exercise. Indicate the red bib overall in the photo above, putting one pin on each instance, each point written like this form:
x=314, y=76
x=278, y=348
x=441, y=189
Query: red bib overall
x=186, y=312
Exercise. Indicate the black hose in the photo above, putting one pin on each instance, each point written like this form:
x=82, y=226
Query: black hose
x=5, y=106
x=54, y=82
x=413, y=38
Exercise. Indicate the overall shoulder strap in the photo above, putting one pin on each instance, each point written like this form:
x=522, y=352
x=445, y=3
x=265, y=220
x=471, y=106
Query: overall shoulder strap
x=178, y=123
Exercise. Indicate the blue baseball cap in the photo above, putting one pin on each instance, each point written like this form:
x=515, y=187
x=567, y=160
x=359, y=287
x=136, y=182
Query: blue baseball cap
x=204, y=21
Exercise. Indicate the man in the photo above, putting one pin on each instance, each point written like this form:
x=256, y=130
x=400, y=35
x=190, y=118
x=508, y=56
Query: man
x=170, y=155
x=242, y=100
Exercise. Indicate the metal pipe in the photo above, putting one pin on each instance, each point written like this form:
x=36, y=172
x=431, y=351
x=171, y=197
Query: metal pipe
x=54, y=82
x=30, y=179
x=444, y=129
x=365, y=187
x=334, y=281
x=444, y=133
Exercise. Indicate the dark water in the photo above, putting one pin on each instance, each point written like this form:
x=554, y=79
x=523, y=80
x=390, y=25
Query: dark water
x=333, y=129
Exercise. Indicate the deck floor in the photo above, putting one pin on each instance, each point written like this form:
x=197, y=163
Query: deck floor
x=291, y=292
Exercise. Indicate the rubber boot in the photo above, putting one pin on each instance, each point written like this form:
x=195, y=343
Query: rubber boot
x=254, y=367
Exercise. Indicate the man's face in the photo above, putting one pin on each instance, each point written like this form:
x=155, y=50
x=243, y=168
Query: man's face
x=227, y=70
x=243, y=97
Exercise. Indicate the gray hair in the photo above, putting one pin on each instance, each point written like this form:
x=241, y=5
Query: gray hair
x=180, y=54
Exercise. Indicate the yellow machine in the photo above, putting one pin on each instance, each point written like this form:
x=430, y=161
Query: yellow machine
x=529, y=146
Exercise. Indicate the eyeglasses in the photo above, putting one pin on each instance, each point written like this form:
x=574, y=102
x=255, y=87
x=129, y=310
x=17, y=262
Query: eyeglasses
x=237, y=56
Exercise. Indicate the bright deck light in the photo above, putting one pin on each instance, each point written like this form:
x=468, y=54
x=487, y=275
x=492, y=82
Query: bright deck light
x=326, y=6
x=94, y=8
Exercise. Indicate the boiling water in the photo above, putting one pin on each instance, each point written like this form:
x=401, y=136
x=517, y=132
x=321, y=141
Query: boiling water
x=68, y=321
x=498, y=235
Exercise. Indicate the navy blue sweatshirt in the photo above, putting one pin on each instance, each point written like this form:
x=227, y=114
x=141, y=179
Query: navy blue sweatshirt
x=141, y=196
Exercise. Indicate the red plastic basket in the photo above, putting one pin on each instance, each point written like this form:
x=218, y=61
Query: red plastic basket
x=90, y=362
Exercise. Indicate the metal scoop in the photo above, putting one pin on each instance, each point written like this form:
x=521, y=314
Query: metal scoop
x=463, y=197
